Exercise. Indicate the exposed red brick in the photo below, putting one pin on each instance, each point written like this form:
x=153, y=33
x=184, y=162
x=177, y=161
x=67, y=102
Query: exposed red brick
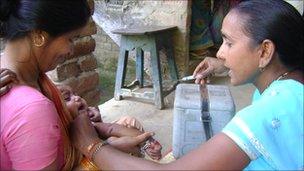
x=89, y=63
x=84, y=46
x=92, y=97
x=73, y=84
x=89, y=29
x=68, y=70
x=85, y=83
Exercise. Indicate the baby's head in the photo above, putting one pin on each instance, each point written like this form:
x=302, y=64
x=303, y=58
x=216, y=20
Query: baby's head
x=73, y=102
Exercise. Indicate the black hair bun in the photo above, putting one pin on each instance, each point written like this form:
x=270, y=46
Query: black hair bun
x=6, y=7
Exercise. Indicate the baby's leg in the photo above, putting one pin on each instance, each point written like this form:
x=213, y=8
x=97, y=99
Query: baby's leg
x=151, y=147
x=130, y=122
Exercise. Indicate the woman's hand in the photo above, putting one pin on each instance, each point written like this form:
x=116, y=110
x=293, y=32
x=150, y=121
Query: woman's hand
x=7, y=79
x=208, y=67
x=82, y=132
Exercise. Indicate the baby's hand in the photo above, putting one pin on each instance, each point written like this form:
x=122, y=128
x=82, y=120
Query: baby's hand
x=7, y=78
x=94, y=114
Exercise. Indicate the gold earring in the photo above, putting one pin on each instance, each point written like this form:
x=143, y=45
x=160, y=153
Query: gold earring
x=42, y=40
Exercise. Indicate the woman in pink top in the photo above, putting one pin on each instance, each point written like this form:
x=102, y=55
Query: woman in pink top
x=39, y=35
x=34, y=118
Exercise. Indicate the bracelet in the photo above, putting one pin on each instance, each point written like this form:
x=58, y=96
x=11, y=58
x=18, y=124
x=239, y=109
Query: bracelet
x=91, y=146
x=98, y=147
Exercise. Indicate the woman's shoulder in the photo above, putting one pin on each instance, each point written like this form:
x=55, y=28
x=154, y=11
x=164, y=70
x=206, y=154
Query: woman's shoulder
x=23, y=94
x=281, y=88
x=23, y=98
x=283, y=94
x=286, y=86
x=23, y=103
x=282, y=98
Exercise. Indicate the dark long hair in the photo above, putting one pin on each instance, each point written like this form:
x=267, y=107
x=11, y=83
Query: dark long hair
x=19, y=17
x=279, y=22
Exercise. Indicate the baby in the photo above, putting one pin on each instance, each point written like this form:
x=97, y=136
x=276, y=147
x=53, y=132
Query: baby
x=125, y=126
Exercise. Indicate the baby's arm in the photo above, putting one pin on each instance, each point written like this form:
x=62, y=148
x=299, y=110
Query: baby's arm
x=107, y=130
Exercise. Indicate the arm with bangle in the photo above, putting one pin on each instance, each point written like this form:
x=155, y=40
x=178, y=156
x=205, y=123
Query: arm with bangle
x=225, y=153
x=112, y=131
x=100, y=148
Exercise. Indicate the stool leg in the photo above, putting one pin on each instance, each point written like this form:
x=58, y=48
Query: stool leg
x=156, y=76
x=171, y=60
x=121, y=73
x=140, y=66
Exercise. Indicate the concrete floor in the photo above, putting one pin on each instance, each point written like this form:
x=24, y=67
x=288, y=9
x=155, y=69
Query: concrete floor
x=160, y=121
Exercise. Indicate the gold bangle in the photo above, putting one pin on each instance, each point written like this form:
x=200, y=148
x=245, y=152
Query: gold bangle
x=91, y=146
x=98, y=147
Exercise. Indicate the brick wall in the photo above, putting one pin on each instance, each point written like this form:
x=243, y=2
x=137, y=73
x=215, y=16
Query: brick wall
x=107, y=48
x=79, y=70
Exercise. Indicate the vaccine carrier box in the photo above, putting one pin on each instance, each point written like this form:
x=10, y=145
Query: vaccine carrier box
x=199, y=113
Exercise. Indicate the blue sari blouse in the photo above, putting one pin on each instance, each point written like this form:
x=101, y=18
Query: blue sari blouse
x=270, y=130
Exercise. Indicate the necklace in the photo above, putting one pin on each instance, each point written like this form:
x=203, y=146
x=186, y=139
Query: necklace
x=279, y=78
x=282, y=76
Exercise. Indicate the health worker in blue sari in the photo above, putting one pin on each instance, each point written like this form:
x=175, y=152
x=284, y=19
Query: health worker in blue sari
x=263, y=44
